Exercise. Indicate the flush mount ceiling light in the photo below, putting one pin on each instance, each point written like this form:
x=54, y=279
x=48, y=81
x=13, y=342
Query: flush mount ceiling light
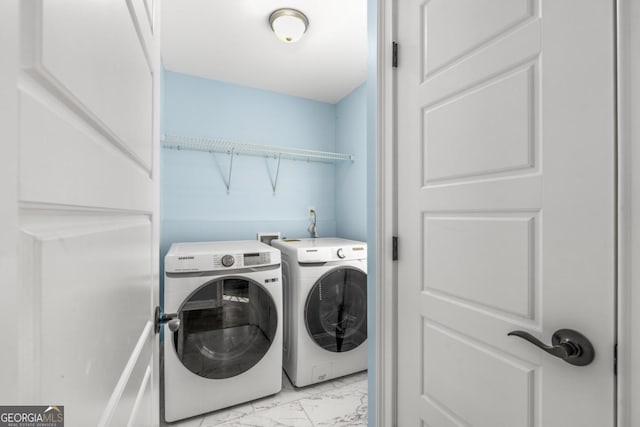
x=288, y=24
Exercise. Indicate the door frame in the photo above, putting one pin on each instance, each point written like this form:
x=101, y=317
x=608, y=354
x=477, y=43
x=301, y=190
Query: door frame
x=628, y=145
x=9, y=289
x=386, y=221
x=156, y=19
x=628, y=224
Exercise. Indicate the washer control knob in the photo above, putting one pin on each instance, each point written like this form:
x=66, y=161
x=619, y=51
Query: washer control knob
x=228, y=260
x=340, y=253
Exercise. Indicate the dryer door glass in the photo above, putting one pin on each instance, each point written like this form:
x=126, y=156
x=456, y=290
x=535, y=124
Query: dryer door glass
x=336, y=310
x=226, y=327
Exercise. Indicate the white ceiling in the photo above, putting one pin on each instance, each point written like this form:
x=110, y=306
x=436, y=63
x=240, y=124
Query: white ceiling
x=231, y=41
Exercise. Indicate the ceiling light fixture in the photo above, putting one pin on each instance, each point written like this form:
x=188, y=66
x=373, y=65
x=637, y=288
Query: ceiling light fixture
x=288, y=24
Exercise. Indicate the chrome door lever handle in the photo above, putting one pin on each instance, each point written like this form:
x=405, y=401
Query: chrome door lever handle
x=174, y=324
x=567, y=344
x=160, y=318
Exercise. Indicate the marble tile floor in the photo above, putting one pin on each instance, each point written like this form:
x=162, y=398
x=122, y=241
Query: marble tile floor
x=338, y=403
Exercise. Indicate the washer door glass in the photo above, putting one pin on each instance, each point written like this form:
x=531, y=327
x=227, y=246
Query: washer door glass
x=226, y=327
x=336, y=310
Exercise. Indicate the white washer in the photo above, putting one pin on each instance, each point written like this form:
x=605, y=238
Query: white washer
x=227, y=349
x=325, y=299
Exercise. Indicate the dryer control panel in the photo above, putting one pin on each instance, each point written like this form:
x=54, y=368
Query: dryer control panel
x=336, y=253
x=324, y=249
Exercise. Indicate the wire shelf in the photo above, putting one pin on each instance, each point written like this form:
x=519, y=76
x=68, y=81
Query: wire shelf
x=214, y=145
x=232, y=148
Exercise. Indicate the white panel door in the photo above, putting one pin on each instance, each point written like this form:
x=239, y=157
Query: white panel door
x=80, y=160
x=506, y=208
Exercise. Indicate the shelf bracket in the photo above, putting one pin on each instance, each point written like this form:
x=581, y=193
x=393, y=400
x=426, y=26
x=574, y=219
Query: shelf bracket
x=231, y=154
x=274, y=183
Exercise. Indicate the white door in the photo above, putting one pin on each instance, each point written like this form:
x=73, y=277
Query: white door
x=79, y=208
x=506, y=210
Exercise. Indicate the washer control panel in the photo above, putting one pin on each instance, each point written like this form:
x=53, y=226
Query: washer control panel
x=216, y=256
x=248, y=259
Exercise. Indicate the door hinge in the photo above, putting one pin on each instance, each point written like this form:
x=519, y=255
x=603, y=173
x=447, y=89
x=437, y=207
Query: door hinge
x=615, y=359
x=394, y=55
x=394, y=248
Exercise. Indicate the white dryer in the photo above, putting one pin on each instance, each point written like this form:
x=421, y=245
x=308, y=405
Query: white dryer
x=325, y=299
x=223, y=345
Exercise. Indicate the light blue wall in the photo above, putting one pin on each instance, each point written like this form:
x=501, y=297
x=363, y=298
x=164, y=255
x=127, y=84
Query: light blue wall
x=195, y=205
x=351, y=178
